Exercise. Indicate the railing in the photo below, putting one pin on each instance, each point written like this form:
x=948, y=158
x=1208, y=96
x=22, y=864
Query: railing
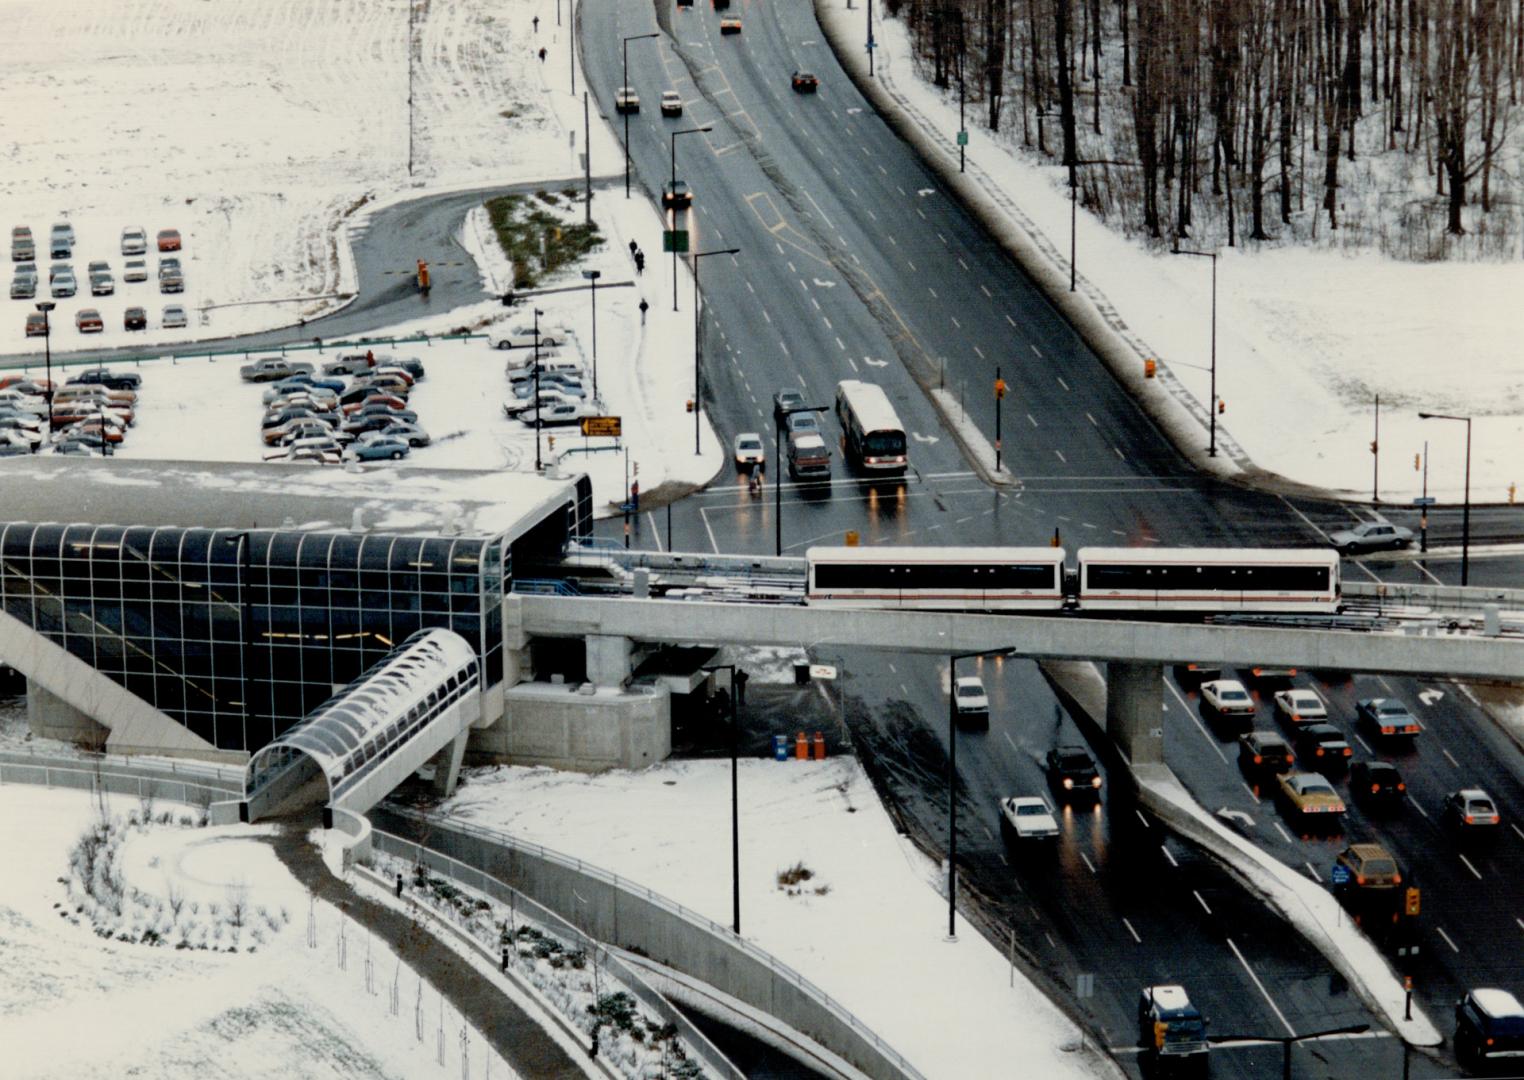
x=115, y=781
x=545, y=587
x=227, y=779
x=702, y=922
x=317, y=345
x=484, y=883
x=1442, y=598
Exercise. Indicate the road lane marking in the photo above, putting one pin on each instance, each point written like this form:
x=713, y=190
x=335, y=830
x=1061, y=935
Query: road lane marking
x=1192, y=714
x=1284, y=834
x=1474, y=871
x=1363, y=743
x=962, y=264
x=1419, y=807
x=1010, y=320
x=1202, y=902
x=1313, y=871
x=980, y=352
x=911, y=265
x=1169, y=856
x=941, y=238
x=765, y=315
x=1037, y=351
x=1010, y=740
x=1261, y=987
x=1063, y=384
x=1092, y=420
x=1520, y=922
x=1131, y=931
x=957, y=323
x=840, y=342
x=923, y=218
x=1086, y=859
x=749, y=288
x=1065, y=460
x=1449, y=757
x=1453, y=946
x=986, y=292
x=1032, y=418
x=1517, y=830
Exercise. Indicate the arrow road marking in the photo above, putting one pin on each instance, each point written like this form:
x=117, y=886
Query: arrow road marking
x=875, y=363
x=1429, y=697
x=823, y=284
x=918, y=437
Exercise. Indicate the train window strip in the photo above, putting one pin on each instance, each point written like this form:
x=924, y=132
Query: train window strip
x=1206, y=578
x=936, y=576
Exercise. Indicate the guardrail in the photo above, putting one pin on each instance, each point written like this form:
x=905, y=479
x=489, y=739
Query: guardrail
x=1442, y=598
x=486, y=884
x=892, y=1061
x=225, y=778
x=83, y=777
x=315, y=345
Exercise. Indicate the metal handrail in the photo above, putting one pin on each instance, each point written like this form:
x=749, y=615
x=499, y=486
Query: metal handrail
x=672, y=906
x=232, y=775
x=24, y=773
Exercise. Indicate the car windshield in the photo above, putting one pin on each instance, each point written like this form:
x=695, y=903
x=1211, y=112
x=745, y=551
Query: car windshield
x=750, y=444
x=1075, y=761
x=970, y=691
x=1233, y=695
x=1031, y=810
x=1392, y=708
x=1314, y=785
x=1305, y=701
x=1480, y=806
x=1379, y=868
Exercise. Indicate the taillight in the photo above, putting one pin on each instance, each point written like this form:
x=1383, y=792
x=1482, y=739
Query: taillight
x=1359, y=879
x=1470, y=820
x=1258, y=760
x=1387, y=729
x=1348, y=751
x=1396, y=879
x=1402, y=786
x=1377, y=787
x=1068, y=783
x=1318, y=752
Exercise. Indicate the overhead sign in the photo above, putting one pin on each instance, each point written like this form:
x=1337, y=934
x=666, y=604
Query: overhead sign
x=822, y=671
x=1424, y=500
x=601, y=425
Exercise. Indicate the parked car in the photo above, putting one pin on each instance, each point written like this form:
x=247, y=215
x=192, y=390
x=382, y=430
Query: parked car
x=135, y=318
x=96, y=391
x=61, y=241
x=971, y=704
x=1489, y=1029
x=555, y=412
x=374, y=397
x=271, y=368
x=306, y=428
x=100, y=426
x=171, y=282
x=1300, y=706
x=671, y=103
x=626, y=100
x=102, y=283
x=1263, y=754
x=12, y=398
x=1308, y=798
x=24, y=284
x=555, y=365
x=134, y=270
x=36, y=324
x=383, y=384
x=750, y=451
x=370, y=422
x=169, y=239
x=1324, y=748
x=1027, y=818
x=804, y=82
x=376, y=445
x=23, y=247
x=134, y=240
x=676, y=195
x=1387, y=718
x=77, y=447
x=523, y=337
x=1370, y=536
x=61, y=281
x=326, y=450
x=1072, y=773
x=546, y=397
x=1377, y=784
x=88, y=321
x=112, y=380
x=409, y=430
x=567, y=383
x=174, y=317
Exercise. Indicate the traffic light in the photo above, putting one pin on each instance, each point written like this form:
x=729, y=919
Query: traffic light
x=999, y=389
x=1412, y=907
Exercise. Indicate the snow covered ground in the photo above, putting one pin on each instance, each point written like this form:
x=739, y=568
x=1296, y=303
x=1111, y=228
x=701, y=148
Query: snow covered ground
x=1306, y=340
x=284, y=1010
x=869, y=918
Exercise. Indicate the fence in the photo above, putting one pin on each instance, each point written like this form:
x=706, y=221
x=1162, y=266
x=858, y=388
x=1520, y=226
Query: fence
x=626, y=913
x=82, y=776
x=227, y=778
x=713, y=1059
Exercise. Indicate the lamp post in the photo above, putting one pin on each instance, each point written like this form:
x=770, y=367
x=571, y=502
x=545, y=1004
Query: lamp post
x=779, y=421
x=1211, y=408
x=538, y=404
x=46, y=306
x=1287, y=1041
x=698, y=337
x=675, y=134
x=592, y=277
x=952, y=782
x=735, y=814
x=1466, y=511
x=624, y=83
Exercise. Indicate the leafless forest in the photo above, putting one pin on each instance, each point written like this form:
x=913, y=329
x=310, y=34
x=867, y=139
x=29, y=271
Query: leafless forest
x=1384, y=124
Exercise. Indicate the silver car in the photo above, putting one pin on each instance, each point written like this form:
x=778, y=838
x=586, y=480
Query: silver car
x=174, y=317
x=1371, y=536
x=135, y=270
x=24, y=284
x=61, y=281
x=134, y=240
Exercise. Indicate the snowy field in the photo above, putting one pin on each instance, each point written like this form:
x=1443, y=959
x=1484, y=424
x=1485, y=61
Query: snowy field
x=1306, y=339
x=284, y=1010
x=870, y=917
x=255, y=129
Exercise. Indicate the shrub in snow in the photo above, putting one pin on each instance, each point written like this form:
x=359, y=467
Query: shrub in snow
x=794, y=875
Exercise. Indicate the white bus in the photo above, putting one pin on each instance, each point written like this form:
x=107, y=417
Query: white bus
x=875, y=437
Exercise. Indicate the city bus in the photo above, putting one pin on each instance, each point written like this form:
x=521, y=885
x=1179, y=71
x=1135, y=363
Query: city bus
x=875, y=438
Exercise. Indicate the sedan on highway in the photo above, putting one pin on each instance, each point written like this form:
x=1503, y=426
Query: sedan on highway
x=730, y=26
x=1027, y=818
x=783, y=401
x=750, y=450
x=676, y=195
x=804, y=82
x=1471, y=813
x=1370, y=536
x=1263, y=754
x=1227, y=698
x=1300, y=706
x=971, y=704
x=1324, y=748
x=1377, y=784
x=1072, y=773
x=626, y=100
x=1309, y=799
x=671, y=103
x=1387, y=718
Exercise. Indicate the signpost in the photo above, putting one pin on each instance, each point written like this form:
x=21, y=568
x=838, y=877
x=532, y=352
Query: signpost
x=675, y=240
x=601, y=425
x=1339, y=874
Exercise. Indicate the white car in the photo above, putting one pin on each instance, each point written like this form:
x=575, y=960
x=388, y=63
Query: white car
x=174, y=317
x=1227, y=697
x=1300, y=706
x=626, y=100
x=750, y=451
x=522, y=337
x=1371, y=536
x=134, y=240
x=1027, y=817
x=671, y=103
x=970, y=702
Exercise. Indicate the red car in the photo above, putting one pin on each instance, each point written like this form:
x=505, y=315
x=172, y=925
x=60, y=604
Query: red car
x=389, y=400
x=805, y=83
x=88, y=321
x=36, y=325
x=169, y=239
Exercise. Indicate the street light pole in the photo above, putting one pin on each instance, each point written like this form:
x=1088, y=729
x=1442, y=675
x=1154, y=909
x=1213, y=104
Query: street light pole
x=1466, y=506
x=592, y=277
x=46, y=306
x=779, y=420
x=538, y=404
x=698, y=338
x=735, y=812
x=675, y=134
x=624, y=83
x=1212, y=407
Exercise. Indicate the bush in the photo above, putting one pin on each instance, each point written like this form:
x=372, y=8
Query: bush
x=794, y=875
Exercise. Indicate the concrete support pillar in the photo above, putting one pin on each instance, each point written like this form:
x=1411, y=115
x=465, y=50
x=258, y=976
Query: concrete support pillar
x=608, y=660
x=447, y=764
x=1135, y=710
x=51, y=717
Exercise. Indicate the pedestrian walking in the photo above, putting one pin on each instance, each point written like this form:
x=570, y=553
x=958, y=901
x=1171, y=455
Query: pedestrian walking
x=542, y=54
x=644, y=307
x=536, y=24
x=634, y=247
x=399, y=885
x=640, y=261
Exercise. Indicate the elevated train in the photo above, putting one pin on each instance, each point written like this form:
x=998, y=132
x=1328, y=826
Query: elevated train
x=1188, y=581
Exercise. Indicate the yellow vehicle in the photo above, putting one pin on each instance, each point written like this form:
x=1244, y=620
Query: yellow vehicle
x=1309, y=798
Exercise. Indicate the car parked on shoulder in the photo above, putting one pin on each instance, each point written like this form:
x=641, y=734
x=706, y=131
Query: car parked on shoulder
x=135, y=318
x=134, y=270
x=1264, y=753
x=676, y=195
x=671, y=103
x=88, y=321
x=174, y=317
x=750, y=451
x=1324, y=748
x=1370, y=536
x=376, y=446
x=134, y=240
x=1489, y=1029
x=971, y=704
x=1377, y=784
x=804, y=82
x=1028, y=819
x=1072, y=773
x=1387, y=718
x=23, y=247
x=169, y=239
x=112, y=380
x=1308, y=798
x=24, y=284
x=1300, y=706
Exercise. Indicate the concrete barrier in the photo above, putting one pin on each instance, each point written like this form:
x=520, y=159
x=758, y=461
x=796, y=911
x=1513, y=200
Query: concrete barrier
x=626, y=914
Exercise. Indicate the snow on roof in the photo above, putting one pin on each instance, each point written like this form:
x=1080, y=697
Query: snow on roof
x=1497, y=1002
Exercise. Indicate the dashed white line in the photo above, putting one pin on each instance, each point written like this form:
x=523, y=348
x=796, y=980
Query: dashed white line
x=1286, y=836
x=1092, y=420
x=1169, y=856
x=785, y=346
x=1121, y=456
x=1313, y=871
x=1265, y=993
x=750, y=289
x=941, y=238
x=1010, y=740
x=1010, y=320
x=957, y=323
x=1131, y=931
x=1518, y=831
x=842, y=345
x=1449, y=757
x=1061, y=457
x=1419, y=807
x=923, y=216
x=980, y=352
x=766, y=316
x=1141, y=818
x=933, y=292
x=1474, y=871
x=1086, y=859
x=963, y=264
x=986, y=292
x=1037, y=351
x=1453, y=946
x=1202, y=902
x=1033, y=419
x=1062, y=383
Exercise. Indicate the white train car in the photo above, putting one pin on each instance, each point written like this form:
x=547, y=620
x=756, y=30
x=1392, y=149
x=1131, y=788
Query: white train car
x=1207, y=580
x=937, y=578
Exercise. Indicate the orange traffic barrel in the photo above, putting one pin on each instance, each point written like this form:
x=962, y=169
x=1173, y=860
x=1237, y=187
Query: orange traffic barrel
x=802, y=746
x=1149, y=367
x=819, y=746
